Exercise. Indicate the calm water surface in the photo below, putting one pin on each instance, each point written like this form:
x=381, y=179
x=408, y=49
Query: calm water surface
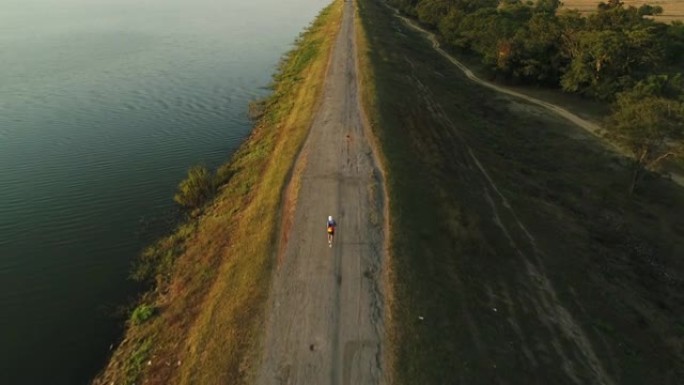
x=104, y=104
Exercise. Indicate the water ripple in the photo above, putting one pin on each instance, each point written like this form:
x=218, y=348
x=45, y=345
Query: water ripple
x=103, y=109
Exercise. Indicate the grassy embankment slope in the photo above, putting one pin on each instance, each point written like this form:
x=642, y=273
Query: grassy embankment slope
x=213, y=274
x=605, y=287
x=672, y=9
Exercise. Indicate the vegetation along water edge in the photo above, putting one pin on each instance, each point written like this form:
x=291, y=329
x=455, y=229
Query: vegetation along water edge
x=201, y=319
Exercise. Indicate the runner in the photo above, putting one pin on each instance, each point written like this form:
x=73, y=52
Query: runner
x=331, y=230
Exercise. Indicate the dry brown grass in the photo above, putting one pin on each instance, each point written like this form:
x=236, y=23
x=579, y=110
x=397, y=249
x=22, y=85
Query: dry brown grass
x=672, y=9
x=210, y=307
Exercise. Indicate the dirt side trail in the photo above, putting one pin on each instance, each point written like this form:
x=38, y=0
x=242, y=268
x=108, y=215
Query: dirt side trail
x=324, y=318
x=587, y=125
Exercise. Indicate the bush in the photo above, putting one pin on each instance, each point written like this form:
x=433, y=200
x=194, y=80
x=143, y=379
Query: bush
x=141, y=314
x=156, y=262
x=256, y=109
x=196, y=189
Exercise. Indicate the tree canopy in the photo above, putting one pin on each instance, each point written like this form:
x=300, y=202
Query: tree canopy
x=649, y=124
x=533, y=42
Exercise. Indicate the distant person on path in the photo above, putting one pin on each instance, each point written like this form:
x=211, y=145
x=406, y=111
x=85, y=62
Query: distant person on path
x=331, y=230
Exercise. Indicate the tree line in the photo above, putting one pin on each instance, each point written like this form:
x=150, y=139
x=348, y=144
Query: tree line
x=617, y=54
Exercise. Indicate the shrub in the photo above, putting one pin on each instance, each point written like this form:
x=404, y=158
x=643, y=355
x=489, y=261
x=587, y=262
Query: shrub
x=256, y=109
x=156, y=262
x=195, y=190
x=141, y=314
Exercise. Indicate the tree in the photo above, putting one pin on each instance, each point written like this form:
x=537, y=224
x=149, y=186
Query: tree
x=611, y=4
x=650, y=10
x=534, y=41
x=450, y=27
x=591, y=70
x=489, y=32
x=674, y=43
x=650, y=126
x=547, y=6
x=432, y=12
x=477, y=31
x=406, y=6
x=664, y=86
x=536, y=55
x=469, y=6
x=616, y=18
x=572, y=23
x=608, y=61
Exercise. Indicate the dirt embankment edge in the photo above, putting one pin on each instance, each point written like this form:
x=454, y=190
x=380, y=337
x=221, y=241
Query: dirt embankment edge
x=211, y=276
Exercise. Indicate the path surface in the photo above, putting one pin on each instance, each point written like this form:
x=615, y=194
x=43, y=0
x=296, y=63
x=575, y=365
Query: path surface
x=323, y=324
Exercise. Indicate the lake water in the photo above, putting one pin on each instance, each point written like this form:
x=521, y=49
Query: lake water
x=104, y=104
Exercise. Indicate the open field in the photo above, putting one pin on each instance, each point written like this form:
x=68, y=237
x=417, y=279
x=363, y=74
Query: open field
x=672, y=9
x=516, y=255
x=202, y=321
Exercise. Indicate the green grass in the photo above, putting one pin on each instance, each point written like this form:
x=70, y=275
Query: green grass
x=212, y=276
x=136, y=361
x=607, y=257
x=142, y=313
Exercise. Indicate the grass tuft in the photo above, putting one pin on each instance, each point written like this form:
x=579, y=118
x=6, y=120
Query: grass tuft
x=136, y=361
x=142, y=313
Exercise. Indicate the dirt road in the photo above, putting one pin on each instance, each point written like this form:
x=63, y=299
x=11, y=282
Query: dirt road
x=324, y=318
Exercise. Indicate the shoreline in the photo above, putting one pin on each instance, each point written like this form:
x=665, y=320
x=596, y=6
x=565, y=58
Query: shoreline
x=196, y=309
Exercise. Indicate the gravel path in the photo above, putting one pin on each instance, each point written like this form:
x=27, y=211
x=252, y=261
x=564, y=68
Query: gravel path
x=324, y=320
